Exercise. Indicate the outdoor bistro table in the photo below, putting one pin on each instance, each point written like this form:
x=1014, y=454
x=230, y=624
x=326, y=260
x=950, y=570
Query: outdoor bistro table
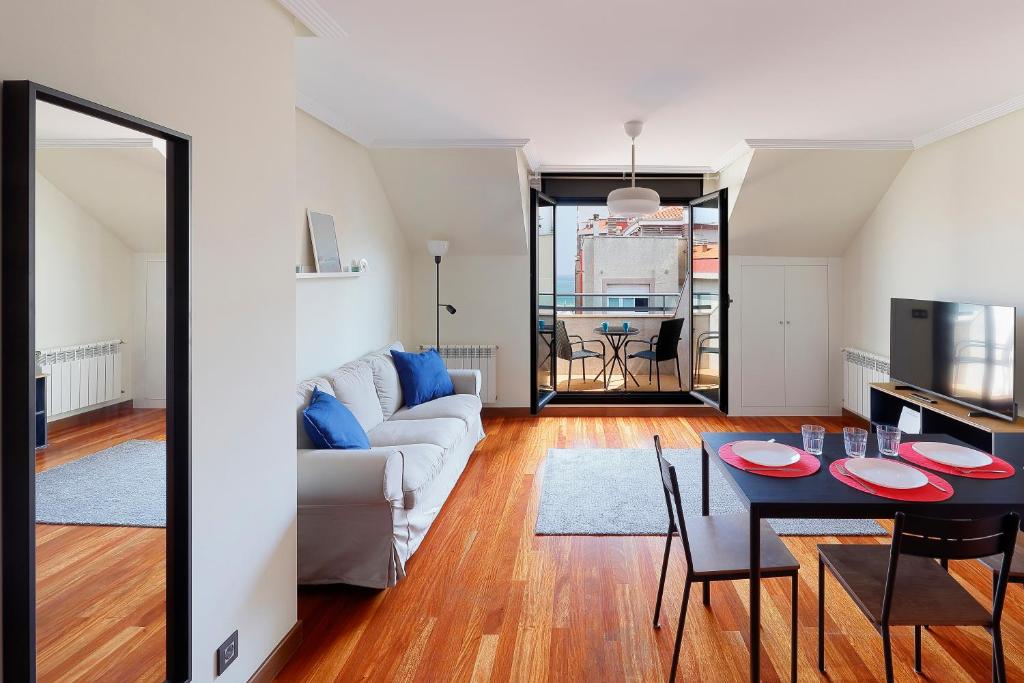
x=822, y=496
x=617, y=337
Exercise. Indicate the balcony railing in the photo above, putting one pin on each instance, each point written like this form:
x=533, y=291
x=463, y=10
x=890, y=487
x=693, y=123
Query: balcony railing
x=658, y=303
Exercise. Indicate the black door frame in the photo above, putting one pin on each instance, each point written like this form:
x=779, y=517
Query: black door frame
x=17, y=376
x=536, y=402
x=722, y=404
x=616, y=398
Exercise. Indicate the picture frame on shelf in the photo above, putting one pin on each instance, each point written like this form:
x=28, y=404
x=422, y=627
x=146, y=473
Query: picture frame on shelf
x=324, y=237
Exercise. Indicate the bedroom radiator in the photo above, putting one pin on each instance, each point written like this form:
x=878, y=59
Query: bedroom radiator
x=861, y=368
x=482, y=357
x=82, y=376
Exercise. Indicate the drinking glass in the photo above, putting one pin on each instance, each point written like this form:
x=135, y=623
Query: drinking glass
x=625, y=326
x=814, y=438
x=604, y=326
x=856, y=441
x=888, y=439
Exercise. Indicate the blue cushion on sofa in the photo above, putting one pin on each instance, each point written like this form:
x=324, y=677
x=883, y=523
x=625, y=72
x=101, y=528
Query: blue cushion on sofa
x=330, y=424
x=423, y=376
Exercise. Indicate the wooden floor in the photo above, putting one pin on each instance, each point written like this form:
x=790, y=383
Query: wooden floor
x=486, y=600
x=100, y=590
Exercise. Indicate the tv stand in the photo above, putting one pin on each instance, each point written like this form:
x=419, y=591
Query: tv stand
x=941, y=416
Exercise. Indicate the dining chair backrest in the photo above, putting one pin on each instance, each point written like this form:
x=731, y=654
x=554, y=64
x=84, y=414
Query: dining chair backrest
x=953, y=539
x=563, y=347
x=667, y=347
x=673, y=499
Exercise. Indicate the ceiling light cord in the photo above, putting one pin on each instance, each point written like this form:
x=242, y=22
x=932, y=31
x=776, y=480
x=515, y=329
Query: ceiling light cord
x=633, y=162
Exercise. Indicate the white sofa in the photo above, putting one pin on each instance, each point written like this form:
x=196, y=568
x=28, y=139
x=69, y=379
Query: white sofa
x=363, y=513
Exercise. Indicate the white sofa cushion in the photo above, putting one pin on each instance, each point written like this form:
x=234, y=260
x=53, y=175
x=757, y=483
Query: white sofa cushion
x=354, y=386
x=442, y=431
x=462, y=406
x=303, y=392
x=385, y=377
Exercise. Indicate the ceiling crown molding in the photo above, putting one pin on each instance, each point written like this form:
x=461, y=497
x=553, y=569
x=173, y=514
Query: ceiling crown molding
x=968, y=122
x=450, y=143
x=875, y=145
x=730, y=157
x=314, y=17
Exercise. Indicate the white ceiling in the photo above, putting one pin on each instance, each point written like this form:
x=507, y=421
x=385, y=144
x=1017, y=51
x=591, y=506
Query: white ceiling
x=55, y=124
x=704, y=77
x=796, y=202
x=123, y=189
x=473, y=198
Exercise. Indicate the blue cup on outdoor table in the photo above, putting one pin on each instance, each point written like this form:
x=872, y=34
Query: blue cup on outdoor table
x=541, y=323
x=604, y=326
x=625, y=326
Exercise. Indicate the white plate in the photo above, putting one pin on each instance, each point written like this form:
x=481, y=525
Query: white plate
x=766, y=453
x=951, y=454
x=887, y=473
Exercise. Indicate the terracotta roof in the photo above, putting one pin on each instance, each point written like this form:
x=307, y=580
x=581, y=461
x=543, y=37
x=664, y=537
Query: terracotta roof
x=666, y=213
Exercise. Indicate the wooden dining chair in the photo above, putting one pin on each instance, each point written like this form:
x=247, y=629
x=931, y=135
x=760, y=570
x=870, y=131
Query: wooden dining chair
x=716, y=549
x=903, y=585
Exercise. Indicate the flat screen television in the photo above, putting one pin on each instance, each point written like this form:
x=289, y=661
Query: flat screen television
x=963, y=352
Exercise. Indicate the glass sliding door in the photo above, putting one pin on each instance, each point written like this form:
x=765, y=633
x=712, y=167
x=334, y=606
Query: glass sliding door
x=709, y=297
x=544, y=359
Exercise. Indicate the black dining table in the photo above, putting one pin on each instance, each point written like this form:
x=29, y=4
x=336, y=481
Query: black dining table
x=822, y=496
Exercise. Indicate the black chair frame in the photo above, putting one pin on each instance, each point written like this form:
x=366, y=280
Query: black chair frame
x=674, y=505
x=664, y=345
x=944, y=540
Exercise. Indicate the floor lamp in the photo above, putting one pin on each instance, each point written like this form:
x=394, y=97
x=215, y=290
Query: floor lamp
x=437, y=249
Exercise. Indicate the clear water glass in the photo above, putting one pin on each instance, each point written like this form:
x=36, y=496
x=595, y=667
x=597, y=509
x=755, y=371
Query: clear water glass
x=814, y=438
x=856, y=441
x=888, y=439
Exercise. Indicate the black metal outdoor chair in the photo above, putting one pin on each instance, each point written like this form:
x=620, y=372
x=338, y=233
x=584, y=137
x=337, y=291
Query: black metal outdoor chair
x=662, y=346
x=564, y=350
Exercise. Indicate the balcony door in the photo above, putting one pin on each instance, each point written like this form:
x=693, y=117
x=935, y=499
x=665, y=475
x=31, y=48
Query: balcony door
x=543, y=312
x=709, y=297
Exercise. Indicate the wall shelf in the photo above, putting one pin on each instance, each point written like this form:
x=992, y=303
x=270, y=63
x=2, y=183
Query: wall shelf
x=325, y=276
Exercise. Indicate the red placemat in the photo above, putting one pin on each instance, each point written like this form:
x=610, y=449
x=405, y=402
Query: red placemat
x=923, y=494
x=997, y=469
x=806, y=465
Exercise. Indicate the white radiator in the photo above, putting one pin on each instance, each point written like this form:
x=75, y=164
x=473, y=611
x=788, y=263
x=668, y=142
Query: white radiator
x=482, y=357
x=860, y=369
x=78, y=377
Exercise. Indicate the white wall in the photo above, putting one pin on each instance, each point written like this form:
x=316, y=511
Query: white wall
x=338, y=320
x=492, y=295
x=222, y=72
x=951, y=227
x=83, y=275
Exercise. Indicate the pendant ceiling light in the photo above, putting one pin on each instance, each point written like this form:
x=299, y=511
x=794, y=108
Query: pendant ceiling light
x=633, y=201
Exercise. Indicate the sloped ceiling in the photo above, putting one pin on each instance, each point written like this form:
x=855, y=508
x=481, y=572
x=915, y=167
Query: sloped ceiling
x=121, y=188
x=805, y=202
x=471, y=197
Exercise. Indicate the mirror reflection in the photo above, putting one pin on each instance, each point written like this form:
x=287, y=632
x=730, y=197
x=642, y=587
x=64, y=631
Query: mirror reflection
x=100, y=317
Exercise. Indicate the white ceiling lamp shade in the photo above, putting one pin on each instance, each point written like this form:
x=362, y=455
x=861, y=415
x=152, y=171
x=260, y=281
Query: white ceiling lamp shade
x=632, y=201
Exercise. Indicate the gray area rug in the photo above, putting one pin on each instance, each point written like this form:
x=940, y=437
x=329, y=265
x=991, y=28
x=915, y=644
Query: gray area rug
x=618, y=492
x=125, y=485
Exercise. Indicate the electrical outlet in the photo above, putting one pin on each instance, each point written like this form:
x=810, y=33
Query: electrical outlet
x=227, y=653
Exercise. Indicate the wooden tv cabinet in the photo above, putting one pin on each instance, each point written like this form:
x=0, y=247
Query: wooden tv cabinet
x=989, y=434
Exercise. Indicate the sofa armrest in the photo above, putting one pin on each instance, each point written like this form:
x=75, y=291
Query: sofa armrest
x=349, y=477
x=466, y=381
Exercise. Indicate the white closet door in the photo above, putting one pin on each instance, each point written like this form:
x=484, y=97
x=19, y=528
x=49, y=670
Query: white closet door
x=806, y=336
x=763, y=335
